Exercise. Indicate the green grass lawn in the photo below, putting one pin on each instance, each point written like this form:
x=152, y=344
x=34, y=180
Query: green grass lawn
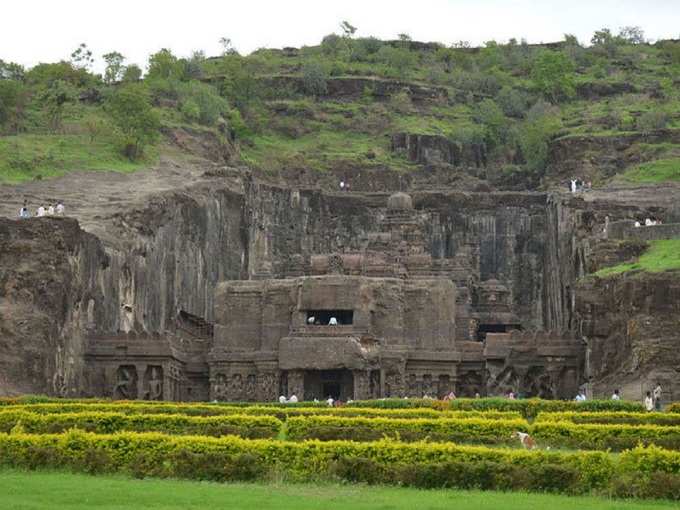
x=40, y=490
x=661, y=256
x=27, y=157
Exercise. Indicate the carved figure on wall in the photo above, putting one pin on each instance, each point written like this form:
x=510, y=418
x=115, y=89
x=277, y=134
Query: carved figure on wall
x=125, y=387
x=236, y=387
x=336, y=264
x=393, y=385
x=427, y=388
x=154, y=383
x=219, y=389
x=413, y=386
x=250, y=390
x=268, y=386
x=444, y=386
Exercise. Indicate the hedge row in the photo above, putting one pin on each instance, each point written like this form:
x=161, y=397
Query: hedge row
x=472, y=430
x=99, y=422
x=530, y=408
x=674, y=408
x=656, y=472
x=488, y=432
x=279, y=412
x=615, y=418
x=594, y=436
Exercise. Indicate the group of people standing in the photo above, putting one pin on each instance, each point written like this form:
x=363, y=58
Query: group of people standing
x=578, y=185
x=652, y=400
x=57, y=209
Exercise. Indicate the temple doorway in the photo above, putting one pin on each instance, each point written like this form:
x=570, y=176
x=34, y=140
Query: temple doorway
x=321, y=384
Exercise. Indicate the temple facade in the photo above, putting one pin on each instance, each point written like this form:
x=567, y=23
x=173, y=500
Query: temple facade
x=387, y=320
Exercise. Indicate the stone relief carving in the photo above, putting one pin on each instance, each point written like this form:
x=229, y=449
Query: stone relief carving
x=154, y=383
x=125, y=387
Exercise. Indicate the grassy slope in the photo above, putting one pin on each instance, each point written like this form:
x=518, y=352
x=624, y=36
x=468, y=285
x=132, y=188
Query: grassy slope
x=661, y=170
x=26, y=157
x=661, y=256
x=38, y=490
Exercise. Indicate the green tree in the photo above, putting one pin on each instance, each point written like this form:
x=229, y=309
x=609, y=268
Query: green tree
x=13, y=98
x=632, y=35
x=542, y=123
x=132, y=74
x=553, y=75
x=54, y=99
x=11, y=71
x=240, y=85
x=163, y=64
x=348, y=29
x=605, y=42
x=114, y=67
x=494, y=122
x=314, y=79
x=82, y=58
x=134, y=118
x=399, y=59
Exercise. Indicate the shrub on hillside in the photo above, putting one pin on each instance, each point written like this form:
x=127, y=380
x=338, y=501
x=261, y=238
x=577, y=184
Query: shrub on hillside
x=651, y=121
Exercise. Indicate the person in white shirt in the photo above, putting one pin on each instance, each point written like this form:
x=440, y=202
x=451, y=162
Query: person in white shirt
x=342, y=185
x=581, y=397
x=282, y=400
x=330, y=401
x=310, y=320
x=649, y=402
x=637, y=223
x=50, y=210
x=41, y=211
x=293, y=399
x=333, y=322
x=60, y=208
x=616, y=395
x=648, y=222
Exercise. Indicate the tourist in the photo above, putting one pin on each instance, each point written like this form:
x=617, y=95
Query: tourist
x=477, y=395
x=657, y=397
x=573, y=185
x=648, y=222
x=616, y=395
x=342, y=185
x=40, y=212
x=649, y=402
x=581, y=397
x=293, y=399
x=347, y=186
x=282, y=399
x=50, y=210
x=333, y=322
x=511, y=395
x=23, y=212
x=330, y=401
x=450, y=396
x=637, y=224
x=310, y=320
x=60, y=208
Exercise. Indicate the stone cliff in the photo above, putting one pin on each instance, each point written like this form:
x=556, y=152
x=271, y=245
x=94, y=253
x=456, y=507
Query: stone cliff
x=139, y=267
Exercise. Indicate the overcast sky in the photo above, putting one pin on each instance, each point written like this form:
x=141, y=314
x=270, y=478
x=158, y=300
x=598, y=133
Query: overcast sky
x=33, y=31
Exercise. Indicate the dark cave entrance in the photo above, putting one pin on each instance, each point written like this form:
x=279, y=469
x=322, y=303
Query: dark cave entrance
x=323, y=317
x=320, y=384
x=483, y=329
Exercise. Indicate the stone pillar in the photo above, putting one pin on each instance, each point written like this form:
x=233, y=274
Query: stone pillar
x=362, y=390
x=296, y=384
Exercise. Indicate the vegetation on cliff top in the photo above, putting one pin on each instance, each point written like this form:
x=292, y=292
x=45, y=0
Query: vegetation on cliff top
x=661, y=256
x=284, y=110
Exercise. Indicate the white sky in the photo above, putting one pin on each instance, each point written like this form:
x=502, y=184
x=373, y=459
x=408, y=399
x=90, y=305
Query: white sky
x=33, y=31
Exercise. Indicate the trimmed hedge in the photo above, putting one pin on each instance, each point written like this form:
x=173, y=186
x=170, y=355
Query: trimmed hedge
x=529, y=408
x=416, y=464
x=615, y=418
x=674, y=408
x=279, y=412
x=472, y=430
x=99, y=422
x=604, y=437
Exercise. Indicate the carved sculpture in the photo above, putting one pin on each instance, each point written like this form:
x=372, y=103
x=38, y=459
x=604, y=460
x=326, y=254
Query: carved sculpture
x=125, y=387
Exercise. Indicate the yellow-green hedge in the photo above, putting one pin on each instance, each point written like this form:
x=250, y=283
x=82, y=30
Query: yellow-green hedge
x=529, y=408
x=471, y=430
x=595, y=436
x=279, y=412
x=612, y=418
x=419, y=464
x=100, y=422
